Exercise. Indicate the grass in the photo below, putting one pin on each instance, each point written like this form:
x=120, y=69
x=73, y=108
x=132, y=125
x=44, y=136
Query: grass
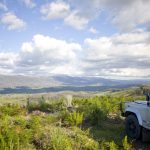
x=109, y=131
x=80, y=123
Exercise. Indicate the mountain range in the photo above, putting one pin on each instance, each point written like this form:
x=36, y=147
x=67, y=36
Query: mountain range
x=39, y=84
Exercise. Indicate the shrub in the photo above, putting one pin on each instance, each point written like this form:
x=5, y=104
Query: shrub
x=59, y=140
x=74, y=119
x=34, y=123
x=96, y=116
x=107, y=104
x=50, y=119
x=82, y=140
x=12, y=110
x=19, y=121
x=44, y=106
x=113, y=146
x=104, y=145
x=54, y=138
x=126, y=144
x=13, y=134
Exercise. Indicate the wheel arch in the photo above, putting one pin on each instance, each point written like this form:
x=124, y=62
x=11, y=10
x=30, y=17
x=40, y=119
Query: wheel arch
x=136, y=114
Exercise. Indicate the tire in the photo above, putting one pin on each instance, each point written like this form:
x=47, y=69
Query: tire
x=132, y=127
x=145, y=135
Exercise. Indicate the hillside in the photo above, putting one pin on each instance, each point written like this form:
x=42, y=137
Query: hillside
x=12, y=81
x=39, y=84
x=57, y=121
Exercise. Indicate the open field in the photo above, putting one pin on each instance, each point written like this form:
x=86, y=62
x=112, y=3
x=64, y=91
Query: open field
x=66, y=121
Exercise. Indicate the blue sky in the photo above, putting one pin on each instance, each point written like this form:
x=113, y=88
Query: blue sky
x=75, y=37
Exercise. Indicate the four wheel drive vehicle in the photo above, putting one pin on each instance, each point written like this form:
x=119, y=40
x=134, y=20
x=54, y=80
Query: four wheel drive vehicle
x=137, y=123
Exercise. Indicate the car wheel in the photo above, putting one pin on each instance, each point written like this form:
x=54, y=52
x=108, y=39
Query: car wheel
x=133, y=129
x=145, y=135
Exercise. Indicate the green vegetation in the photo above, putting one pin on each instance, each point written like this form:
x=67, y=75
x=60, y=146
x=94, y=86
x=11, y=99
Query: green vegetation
x=74, y=119
x=92, y=123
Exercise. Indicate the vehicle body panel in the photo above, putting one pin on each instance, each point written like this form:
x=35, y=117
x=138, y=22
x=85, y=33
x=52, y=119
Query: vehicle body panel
x=141, y=110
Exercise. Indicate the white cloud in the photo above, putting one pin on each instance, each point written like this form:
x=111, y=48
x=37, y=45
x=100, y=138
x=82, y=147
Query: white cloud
x=55, y=10
x=122, y=73
x=51, y=47
x=67, y=69
x=12, y=21
x=76, y=20
x=129, y=72
x=7, y=58
x=125, y=14
x=134, y=14
x=62, y=10
x=134, y=43
x=137, y=36
x=121, y=54
x=93, y=30
x=29, y=3
x=7, y=62
x=3, y=7
x=49, y=55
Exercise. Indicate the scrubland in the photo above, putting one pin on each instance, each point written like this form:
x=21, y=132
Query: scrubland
x=65, y=121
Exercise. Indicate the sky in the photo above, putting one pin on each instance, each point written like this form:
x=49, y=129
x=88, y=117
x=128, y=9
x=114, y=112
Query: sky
x=106, y=38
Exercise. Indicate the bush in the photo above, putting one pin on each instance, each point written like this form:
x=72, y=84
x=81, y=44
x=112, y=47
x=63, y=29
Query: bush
x=12, y=110
x=13, y=134
x=104, y=145
x=21, y=130
x=82, y=140
x=34, y=123
x=113, y=146
x=96, y=116
x=54, y=138
x=107, y=104
x=44, y=106
x=74, y=119
x=126, y=144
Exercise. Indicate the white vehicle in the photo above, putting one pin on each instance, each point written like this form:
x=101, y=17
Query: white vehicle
x=137, y=123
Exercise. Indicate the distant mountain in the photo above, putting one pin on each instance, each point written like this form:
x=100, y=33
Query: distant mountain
x=96, y=81
x=26, y=81
x=36, y=84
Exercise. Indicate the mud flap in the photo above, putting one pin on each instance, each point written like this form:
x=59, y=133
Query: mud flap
x=145, y=135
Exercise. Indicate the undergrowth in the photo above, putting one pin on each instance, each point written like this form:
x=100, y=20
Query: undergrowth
x=76, y=124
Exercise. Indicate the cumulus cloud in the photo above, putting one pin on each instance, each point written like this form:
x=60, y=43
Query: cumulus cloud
x=29, y=3
x=7, y=62
x=12, y=21
x=50, y=47
x=55, y=10
x=135, y=43
x=125, y=14
x=121, y=54
x=62, y=10
x=49, y=54
x=133, y=14
x=76, y=20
